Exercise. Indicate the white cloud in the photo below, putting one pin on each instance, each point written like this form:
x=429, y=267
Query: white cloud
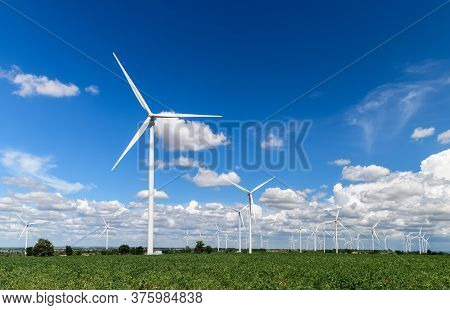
x=283, y=199
x=181, y=161
x=25, y=182
x=210, y=178
x=401, y=200
x=158, y=194
x=182, y=135
x=32, y=85
x=437, y=165
x=389, y=107
x=340, y=162
x=27, y=165
x=272, y=141
x=444, y=137
x=420, y=133
x=92, y=89
x=364, y=173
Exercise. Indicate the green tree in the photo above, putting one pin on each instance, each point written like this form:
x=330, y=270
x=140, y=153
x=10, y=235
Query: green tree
x=199, y=247
x=208, y=249
x=124, y=249
x=29, y=251
x=69, y=250
x=139, y=250
x=43, y=248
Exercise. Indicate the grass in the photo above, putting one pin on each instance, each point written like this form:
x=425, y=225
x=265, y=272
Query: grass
x=227, y=271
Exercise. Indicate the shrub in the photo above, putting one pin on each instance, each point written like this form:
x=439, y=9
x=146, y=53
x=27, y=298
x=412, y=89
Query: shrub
x=29, y=251
x=69, y=250
x=199, y=247
x=208, y=249
x=139, y=250
x=124, y=249
x=43, y=248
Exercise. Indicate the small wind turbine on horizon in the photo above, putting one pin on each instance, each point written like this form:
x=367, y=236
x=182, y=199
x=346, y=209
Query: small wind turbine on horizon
x=25, y=230
x=336, y=223
x=106, y=232
x=218, y=231
x=250, y=205
x=149, y=123
x=374, y=234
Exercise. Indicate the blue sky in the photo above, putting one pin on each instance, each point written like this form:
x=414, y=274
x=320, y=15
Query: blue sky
x=242, y=61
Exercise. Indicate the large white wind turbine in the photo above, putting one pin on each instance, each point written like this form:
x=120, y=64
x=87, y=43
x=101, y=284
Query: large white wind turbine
x=25, y=231
x=250, y=205
x=149, y=123
x=187, y=236
x=240, y=221
x=106, y=232
x=374, y=234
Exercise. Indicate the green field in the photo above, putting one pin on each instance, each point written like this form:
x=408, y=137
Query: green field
x=228, y=271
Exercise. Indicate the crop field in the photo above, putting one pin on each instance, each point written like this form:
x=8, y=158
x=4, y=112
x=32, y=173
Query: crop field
x=228, y=271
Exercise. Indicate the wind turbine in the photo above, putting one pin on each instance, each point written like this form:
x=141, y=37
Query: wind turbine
x=300, y=228
x=250, y=204
x=218, y=237
x=106, y=230
x=292, y=242
x=149, y=123
x=240, y=221
x=336, y=223
x=385, y=240
x=25, y=230
x=187, y=236
x=374, y=234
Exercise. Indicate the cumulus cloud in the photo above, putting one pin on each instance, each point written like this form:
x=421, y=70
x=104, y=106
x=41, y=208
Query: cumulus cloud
x=364, y=173
x=421, y=133
x=158, y=194
x=272, y=142
x=340, y=162
x=437, y=165
x=32, y=85
x=25, y=165
x=283, y=199
x=210, y=178
x=92, y=89
x=181, y=161
x=182, y=135
x=444, y=138
x=401, y=200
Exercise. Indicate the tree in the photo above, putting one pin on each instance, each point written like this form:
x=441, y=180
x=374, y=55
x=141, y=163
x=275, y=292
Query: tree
x=29, y=251
x=139, y=250
x=43, y=248
x=124, y=249
x=69, y=250
x=199, y=247
x=208, y=249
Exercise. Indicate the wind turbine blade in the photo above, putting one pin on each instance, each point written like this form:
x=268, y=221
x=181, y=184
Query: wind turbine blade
x=136, y=137
x=179, y=115
x=261, y=185
x=104, y=221
x=20, y=218
x=238, y=186
x=337, y=213
x=242, y=221
x=134, y=88
x=22, y=232
x=104, y=230
x=244, y=208
x=376, y=224
x=375, y=233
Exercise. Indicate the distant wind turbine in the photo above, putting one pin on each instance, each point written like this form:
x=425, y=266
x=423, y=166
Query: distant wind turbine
x=374, y=234
x=106, y=232
x=25, y=230
x=240, y=221
x=250, y=206
x=149, y=123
